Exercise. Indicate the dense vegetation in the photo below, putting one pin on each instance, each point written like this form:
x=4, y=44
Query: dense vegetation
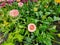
x=16, y=16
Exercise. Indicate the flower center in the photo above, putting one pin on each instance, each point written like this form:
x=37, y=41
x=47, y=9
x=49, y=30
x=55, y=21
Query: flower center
x=32, y=27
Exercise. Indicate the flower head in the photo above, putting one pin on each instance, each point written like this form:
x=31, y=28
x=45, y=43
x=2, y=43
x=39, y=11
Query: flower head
x=18, y=0
x=0, y=0
x=14, y=13
x=57, y=1
x=3, y=4
x=10, y=1
x=31, y=27
x=20, y=4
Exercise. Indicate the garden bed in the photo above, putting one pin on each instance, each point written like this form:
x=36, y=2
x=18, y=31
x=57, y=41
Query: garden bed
x=29, y=22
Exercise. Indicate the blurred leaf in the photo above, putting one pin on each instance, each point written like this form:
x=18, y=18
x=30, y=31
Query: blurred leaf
x=19, y=37
x=56, y=18
x=58, y=35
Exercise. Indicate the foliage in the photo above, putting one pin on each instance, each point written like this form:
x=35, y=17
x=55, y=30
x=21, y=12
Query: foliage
x=42, y=13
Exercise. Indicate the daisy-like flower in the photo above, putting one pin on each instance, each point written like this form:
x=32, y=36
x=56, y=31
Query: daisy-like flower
x=0, y=0
x=20, y=4
x=57, y=1
x=31, y=27
x=2, y=4
x=18, y=0
x=10, y=1
x=14, y=13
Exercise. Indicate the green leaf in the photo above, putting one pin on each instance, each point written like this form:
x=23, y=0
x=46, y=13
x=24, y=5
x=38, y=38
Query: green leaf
x=56, y=18
x=19, y=37
x=6, y=43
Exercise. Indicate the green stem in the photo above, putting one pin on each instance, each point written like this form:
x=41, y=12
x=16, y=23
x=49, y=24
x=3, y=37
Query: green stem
x=56, y=41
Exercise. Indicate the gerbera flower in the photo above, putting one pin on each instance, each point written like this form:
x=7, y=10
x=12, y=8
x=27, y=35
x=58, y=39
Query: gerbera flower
x=57, y=1
x=31, y=27
x=0, y=0
x=18, y=0
x=3, y=4
x=10, y=1
x=14, y=13
x=20, y=4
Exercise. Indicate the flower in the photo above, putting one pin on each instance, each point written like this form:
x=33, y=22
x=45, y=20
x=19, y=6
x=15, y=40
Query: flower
x=0, y=0
x=57, y=1
x=3, y=4
x=20, y=4
x=35, y=9
x=10, y=1
x=18, y=0
x=14, y=13
x=31, y=27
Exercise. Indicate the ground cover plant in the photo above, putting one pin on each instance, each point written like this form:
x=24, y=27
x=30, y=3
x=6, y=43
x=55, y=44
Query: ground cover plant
x=28, y=22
